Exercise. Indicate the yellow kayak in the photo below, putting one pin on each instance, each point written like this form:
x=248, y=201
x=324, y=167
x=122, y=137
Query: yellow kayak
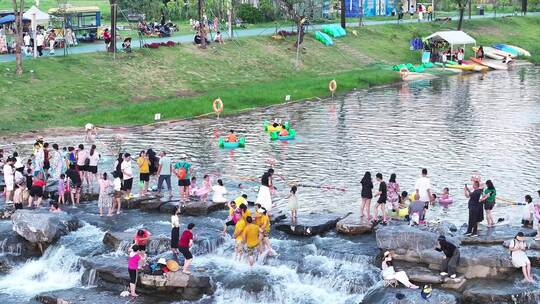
x=465, y=67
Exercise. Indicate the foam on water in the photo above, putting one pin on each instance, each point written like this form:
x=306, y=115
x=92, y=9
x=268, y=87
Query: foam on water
x=57, y=269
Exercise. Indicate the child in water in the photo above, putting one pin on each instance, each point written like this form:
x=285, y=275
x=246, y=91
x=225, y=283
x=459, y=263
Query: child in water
x=293, y=203
x=193, y=186
x=61, y=188
x=404, y=203
x=231, y=137
x=445, y=200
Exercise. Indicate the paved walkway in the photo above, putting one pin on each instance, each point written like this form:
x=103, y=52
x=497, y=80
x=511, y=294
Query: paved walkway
x=99, y=47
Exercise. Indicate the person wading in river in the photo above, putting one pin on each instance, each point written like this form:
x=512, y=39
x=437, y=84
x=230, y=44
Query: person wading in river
x=264, y=198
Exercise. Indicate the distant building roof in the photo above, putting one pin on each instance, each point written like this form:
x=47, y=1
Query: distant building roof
x=74, y=10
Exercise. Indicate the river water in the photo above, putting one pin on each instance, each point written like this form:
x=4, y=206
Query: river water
x=455, y=127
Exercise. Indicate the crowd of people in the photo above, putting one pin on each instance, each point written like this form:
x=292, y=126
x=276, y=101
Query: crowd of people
x=482, y=198
x=76, y=169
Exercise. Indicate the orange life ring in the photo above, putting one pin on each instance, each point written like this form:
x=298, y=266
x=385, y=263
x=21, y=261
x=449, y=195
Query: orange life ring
x=332, y=86
x=218, y=105
x=404, y=73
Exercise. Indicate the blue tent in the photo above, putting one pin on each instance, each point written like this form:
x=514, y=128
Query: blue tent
x=9, y=18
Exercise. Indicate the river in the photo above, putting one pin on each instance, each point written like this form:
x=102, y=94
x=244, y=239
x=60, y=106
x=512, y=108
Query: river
x=453, y=126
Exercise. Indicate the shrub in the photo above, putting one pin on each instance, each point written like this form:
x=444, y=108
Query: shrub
x=249, y=14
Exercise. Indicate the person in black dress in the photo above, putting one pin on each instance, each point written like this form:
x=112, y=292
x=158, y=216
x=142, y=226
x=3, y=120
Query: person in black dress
x=382, y=196
x=367, y=195
x=476, y=210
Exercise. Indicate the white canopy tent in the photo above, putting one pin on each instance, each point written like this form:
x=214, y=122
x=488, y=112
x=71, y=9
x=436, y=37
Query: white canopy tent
x=452, y=38
x=34, y=13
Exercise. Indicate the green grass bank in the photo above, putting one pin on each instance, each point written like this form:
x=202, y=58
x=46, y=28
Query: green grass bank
x=182, y=81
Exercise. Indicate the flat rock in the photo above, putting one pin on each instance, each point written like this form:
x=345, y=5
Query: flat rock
x=121, y=241
x=417, y=244
x=416, y=238
x=412, y=296
x=43, y=227
x=80, y=295
x=353, y=224
x=510, y=290
x=137, y=202
x=310, y=224
x=495, y=235
x=200, y=208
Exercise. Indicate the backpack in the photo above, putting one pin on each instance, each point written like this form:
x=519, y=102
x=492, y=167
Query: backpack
x=182, y=173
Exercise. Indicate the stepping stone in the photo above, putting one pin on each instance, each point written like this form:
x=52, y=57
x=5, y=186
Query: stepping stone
x=310, y=224
x=353, y=224
x=200, y=208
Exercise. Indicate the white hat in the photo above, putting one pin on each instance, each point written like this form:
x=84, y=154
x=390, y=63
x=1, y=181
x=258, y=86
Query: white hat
x=183, y=156
x=386, y=253
x=261, y=210
x=89, y=126
x=162, y=261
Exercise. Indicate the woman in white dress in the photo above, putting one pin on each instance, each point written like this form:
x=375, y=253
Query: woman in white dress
x=264, y=197
x=389, y=273
x=517, y=248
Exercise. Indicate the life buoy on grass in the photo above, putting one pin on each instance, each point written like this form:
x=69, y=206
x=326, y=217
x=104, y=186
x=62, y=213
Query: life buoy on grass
x=218, y=105
x=404, y=73
x=332, y=86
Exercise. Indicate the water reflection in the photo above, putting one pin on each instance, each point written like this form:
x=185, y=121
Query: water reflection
x=453, y=126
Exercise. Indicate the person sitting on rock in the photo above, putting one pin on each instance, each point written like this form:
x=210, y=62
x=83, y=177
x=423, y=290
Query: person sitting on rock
x=517, y=248
x=451, y=257
x=389, y=273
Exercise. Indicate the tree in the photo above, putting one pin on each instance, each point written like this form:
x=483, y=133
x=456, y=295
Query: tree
x=342, y=13
x=114, y=9
x=288, y=7
x=462, y=5
x=18, y=8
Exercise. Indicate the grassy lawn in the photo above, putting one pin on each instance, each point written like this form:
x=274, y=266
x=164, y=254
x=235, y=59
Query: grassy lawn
x=182, y=81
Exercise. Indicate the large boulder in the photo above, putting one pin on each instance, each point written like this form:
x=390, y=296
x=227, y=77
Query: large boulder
x=188, y=287
x=43, y=227
x=353, y=224
x=310, y=224
x=409, y=296
x=496, y=235
x=510, y=290
x=113, y=270
x=417, y=245
x=416, y=238
x=121, y=241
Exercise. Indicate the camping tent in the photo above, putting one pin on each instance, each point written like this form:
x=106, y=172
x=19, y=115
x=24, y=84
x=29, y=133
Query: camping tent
x=42, y=18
